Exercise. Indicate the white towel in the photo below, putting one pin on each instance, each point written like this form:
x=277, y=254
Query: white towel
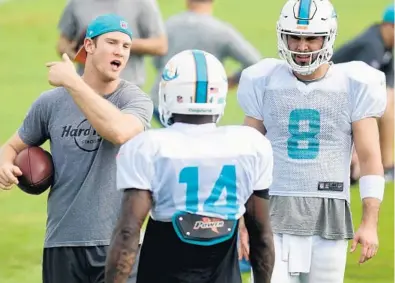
x=297, y=251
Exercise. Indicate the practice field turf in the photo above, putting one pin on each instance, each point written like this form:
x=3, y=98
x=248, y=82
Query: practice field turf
x=28, y=38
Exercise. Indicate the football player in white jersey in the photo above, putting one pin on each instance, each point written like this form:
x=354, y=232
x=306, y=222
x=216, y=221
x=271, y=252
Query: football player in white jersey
x=313, y=112
x=198, y=180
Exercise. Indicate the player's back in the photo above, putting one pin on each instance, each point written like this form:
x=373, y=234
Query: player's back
x=207, y=173
x=196, y=164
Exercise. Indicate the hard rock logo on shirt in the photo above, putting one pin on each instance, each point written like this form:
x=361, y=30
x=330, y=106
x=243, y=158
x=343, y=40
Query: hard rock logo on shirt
x=84, y=135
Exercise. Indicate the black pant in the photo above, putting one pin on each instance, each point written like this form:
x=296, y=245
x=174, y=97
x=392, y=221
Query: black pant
x=77, y=265
x=164, y=258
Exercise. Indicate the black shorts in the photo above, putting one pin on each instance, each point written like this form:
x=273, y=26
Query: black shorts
x=164, y=258
x=77, y=265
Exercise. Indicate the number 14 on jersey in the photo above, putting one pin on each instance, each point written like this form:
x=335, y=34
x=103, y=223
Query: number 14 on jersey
x=226, y=181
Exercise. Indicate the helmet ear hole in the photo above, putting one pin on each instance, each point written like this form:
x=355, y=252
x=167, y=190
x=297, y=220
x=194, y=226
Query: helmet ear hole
x=170, y=121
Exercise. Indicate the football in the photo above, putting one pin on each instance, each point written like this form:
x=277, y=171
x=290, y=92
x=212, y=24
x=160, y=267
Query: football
x=37, y=170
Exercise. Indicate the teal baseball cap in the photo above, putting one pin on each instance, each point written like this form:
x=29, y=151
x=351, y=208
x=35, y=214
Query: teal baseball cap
x=101, y=25
x=388, y=15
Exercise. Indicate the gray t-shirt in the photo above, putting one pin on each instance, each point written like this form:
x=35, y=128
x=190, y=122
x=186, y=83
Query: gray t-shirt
x=143, y=16
x=307, y=216
x=83, y=202
x=368, y=47
x=189, y=30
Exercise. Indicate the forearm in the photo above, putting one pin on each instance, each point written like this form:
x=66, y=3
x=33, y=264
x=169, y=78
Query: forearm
x=370, y=211
x=11, y=148
x=370, y=164
x=149, y=46
x=262, y=257
x=257, y=221
x=7, y=154
x=371, y=185
x=122, y=254
x=106, y=119
x=125, y=239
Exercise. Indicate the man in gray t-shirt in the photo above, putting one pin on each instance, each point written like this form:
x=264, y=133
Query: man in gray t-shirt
x=196, y=28
x=145, y=22
x=86, y=119
x=375, y=47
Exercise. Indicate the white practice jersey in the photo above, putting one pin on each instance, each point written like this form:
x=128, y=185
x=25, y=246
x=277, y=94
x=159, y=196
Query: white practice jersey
x=310, y=124
x=200, y=169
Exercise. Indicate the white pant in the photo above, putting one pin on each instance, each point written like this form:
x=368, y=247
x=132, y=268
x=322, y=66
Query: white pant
x=308, y=259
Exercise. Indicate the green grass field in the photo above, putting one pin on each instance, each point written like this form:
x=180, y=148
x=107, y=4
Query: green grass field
x=28, y=38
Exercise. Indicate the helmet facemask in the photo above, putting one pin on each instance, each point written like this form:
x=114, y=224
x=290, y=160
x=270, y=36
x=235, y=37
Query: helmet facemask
x=317, y=58
x=320, y=21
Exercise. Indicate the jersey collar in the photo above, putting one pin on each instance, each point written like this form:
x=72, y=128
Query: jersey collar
x=194, y=127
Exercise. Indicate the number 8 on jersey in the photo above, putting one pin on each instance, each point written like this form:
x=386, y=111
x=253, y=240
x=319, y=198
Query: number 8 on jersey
x=304, y=126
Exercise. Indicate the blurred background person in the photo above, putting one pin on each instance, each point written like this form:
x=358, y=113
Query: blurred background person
x=375, y=47
x=143, y=16
x=197, y=28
